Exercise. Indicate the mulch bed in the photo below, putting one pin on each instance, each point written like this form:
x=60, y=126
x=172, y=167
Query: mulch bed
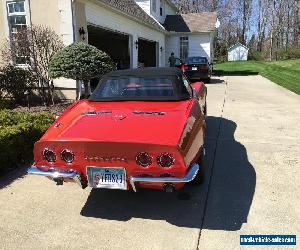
x=56, y=110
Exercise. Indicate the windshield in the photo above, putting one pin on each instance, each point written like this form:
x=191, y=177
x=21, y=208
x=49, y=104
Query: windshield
x=195, y=60
x=135, y=88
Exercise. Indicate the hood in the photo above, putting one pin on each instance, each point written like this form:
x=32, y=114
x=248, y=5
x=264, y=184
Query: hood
x=140, y=122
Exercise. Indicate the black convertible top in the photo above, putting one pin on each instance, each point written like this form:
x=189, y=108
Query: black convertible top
x=180, y=91
x=166, y=71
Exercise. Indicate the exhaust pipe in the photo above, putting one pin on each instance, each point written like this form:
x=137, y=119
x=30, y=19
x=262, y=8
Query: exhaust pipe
x=58, y=181
x=169, y=188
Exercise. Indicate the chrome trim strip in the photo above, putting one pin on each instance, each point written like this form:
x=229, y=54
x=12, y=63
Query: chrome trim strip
x=189, y=177
x=52, y=174
x=101, y=112
x=148, y=112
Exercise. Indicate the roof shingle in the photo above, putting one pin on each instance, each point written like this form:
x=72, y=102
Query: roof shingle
x=192, y=22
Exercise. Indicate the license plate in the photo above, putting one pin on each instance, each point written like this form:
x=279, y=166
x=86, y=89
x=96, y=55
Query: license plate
x=194, y=68
x=111, y=178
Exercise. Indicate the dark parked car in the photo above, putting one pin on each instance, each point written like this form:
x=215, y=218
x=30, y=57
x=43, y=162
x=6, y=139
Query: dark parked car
x=197, y=67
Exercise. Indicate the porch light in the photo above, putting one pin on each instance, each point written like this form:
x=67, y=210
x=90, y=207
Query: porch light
x=161, y=49
x=136, y=44
x=82, y=33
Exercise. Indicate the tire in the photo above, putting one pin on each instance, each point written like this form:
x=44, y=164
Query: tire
x=199, y=179
x=208, y=80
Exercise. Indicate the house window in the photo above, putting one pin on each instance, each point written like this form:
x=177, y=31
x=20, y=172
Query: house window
x=184, y=48
x=154, y=5
x=16, y=16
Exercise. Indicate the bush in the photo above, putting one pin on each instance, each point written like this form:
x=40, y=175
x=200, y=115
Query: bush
x=80, y=61
x=14, y=82
x=18, y=133
x=256, y=56
x=5, y=103
x=290, y=53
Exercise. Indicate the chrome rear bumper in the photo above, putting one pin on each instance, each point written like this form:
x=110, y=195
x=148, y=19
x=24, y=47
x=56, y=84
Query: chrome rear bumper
x=72, y=174
x=188, y=178
x=52, y=174
x=57, y=176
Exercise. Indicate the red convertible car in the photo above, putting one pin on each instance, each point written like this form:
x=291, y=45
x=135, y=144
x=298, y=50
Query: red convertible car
x=141, y=128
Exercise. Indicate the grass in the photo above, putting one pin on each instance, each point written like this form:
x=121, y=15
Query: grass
x=284, y=73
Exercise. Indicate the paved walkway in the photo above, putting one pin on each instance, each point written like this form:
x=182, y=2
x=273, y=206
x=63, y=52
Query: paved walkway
x=253, y=153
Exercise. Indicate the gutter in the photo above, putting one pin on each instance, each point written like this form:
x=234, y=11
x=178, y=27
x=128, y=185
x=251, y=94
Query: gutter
x=190, y=32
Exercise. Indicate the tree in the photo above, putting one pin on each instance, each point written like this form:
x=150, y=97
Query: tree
x=80, y=61
x=34, y=46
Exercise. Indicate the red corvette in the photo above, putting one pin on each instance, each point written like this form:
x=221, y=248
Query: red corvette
x=141, y=128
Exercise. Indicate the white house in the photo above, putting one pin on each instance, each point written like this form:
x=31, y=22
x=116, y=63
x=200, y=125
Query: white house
x=238, y=52
x=130, y=31
x=191, y=35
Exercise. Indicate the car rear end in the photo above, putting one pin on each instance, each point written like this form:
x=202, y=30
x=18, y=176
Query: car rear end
x=197, y=68
x=98, y=165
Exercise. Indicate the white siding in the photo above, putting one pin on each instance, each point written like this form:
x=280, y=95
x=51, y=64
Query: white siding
x=238, y=53
x=144, y=4
x=169, y=10
x=66, y=31
x=155, y=14
x=172, y=45
x=66, y=21
x=199, y=45
x=102, y=17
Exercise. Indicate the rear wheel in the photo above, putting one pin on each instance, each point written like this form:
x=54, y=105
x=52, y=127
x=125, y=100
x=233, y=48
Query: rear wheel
x=199, y=179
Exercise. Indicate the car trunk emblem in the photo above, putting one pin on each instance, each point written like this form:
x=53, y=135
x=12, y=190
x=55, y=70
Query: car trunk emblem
x=105, y=159
x=119, y=117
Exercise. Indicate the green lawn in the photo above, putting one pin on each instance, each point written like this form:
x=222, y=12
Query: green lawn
x=285, y=73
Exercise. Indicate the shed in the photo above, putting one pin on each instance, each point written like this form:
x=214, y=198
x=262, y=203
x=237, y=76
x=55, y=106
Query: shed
x=238, y=52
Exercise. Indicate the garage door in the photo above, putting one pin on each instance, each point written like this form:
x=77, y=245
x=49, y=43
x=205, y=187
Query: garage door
x=116, y=45
x=147, y=53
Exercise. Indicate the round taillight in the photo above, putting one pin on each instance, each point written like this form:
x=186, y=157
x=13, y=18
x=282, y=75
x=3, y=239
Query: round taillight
x=67, y=156
x=49, y=155
x=165, y=160
x=143, y=159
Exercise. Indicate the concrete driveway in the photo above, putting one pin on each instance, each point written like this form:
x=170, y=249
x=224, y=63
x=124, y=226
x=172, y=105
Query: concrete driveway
x=252, y=187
